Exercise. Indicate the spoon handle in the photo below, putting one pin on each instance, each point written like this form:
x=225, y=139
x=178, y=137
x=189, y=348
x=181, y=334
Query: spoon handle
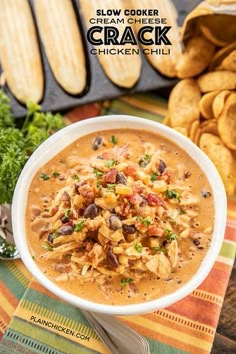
x=118, y=337
x=100, y=331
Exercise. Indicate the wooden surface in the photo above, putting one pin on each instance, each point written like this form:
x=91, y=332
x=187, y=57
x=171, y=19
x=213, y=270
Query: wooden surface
x=225, y=339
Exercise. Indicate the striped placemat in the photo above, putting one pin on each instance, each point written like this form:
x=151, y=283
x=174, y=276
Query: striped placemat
x=32, y=320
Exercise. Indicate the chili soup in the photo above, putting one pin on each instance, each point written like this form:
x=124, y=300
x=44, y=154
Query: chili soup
x=123, y=216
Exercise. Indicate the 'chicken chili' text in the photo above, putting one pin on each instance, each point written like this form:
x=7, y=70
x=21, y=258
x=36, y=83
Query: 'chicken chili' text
x=120, y=216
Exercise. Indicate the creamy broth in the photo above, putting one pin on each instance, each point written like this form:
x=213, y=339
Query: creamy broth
x=123, y=216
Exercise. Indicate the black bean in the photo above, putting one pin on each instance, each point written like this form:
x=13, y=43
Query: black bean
x=162, y=166
x=96, y=142
x=65, y=230
x=91, y=211
x=129, y=229
x=51, y=237
x=196, y=242
x=187, y=174
x=111, y=257
x=120, y=178
x=205, y=193
x=65, y=219
x=164, y=243
x=115, y=222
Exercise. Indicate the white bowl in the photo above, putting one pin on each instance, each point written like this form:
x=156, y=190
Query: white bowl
x=63, y=138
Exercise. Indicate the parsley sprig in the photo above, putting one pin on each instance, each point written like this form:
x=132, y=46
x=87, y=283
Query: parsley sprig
x=17, y=144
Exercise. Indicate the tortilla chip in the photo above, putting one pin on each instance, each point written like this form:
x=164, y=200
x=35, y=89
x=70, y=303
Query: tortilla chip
x=196, y=57
x=222, y=158
x=227, y=122
x=194, y=131
x=220, y=2
x=217, y=80
x=219, y=29
x=210, y=127
x=166, y=120
x=205, y=104
x=218, y=103
x=229, y=63
x=220, y=55
x=183, y=104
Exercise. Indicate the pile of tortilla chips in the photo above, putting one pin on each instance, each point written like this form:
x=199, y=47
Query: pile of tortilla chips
x=202, y=106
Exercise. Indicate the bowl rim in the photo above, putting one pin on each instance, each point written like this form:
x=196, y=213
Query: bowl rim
x=68, y=135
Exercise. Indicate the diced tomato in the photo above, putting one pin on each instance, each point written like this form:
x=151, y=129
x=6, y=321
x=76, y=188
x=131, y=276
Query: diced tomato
x=130, y=171
x=135, y=199
x=124, y=209
x=138, y=187
x=107, y=155
x=155, y=200
x=155, y=231
x=110, y=176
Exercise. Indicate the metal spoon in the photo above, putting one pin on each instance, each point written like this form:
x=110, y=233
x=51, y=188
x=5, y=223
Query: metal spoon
x=116, y=336
x=8, y=250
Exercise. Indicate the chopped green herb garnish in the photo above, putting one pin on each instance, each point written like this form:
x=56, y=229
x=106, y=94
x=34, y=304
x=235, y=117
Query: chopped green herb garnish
x=44, y=176
x=99, y=186
x=52, y=236
x=113, y=140
x=111, y=186
x=67, y=213
x=97, y=173
x=110, y=163
x=138, y=247
x=33, y=257
x=79, y=226
x=158, y=249
x=145, y=221
x=144, y=161
x=75, y=177
x=47, y=247
x=56, y=174
x=173, y=194
x=46, y=209
x=154, y=176
x=170, y=236
x=125, y=281
x=182, y=211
